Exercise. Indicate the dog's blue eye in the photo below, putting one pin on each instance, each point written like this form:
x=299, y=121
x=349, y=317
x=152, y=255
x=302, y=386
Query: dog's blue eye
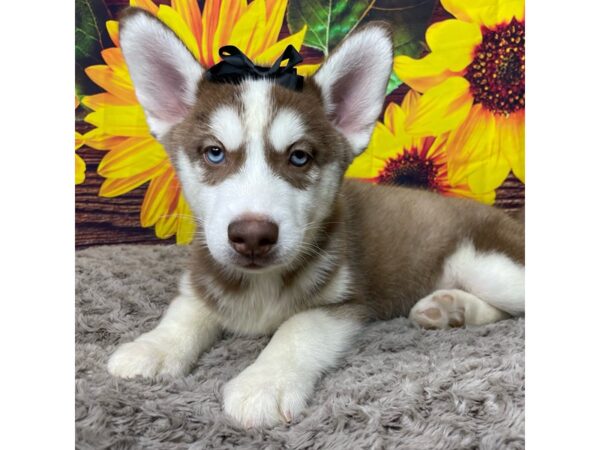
x=214, y=155
x=299, y=158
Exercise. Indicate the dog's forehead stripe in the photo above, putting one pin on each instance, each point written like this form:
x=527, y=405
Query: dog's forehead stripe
x=287, y=128
x=256, y=100
x=256, y=105
x=225, y=123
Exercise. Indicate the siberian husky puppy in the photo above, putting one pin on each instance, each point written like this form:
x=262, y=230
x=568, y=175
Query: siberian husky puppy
x=286, y=246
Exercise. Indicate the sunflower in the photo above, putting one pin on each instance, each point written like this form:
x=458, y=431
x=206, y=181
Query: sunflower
x=134, y=157
x=79, y=162
x=396, y=157
x=473, y=85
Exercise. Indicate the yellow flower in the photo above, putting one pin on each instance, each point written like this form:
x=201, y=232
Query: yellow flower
x=79, y=162
x=473, y=85
x=134, y=157
x=396, y=157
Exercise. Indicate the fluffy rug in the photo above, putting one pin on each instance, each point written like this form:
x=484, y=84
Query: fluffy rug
x=400, y=387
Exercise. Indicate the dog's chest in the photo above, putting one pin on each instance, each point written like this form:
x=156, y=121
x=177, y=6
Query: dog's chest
x=259, y=308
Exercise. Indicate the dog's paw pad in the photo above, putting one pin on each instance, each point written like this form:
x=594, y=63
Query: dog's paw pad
x=255, y=399
x=440, y=310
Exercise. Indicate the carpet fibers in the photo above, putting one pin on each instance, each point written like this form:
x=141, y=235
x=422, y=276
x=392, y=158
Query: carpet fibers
x=400, y=387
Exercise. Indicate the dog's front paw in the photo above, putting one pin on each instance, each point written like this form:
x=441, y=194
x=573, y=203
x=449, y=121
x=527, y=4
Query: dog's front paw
x=147, y=359
x=264, y=396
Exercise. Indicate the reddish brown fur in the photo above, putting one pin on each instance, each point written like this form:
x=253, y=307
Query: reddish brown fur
x=402, y=236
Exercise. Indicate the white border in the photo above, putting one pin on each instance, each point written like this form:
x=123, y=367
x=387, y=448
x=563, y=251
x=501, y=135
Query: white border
x=37, y=224
x=563, y=225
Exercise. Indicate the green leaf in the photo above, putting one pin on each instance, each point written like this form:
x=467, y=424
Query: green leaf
x=393, y=83
x=328, y=21
x=91, y=38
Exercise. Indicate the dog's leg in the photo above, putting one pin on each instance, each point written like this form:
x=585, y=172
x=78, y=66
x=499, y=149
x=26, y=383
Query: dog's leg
x=448, y=308
x=490, y=276
x=277, y=386
x=187, y=329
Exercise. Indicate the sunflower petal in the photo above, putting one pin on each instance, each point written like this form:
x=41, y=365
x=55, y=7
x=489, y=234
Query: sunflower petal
x=190, y=13
x=175, y=22
x=383, y=145
x=464, y=191
x=249, y=31
x=275, y=15
x=422, y=74
x=472, y=153
x=132, y=157
x=307, y=70
x=186, y=226
x=99, y=140
x=98, y=101
x=112, y=26
x=273, y=52
x=454, y=41
x=210, y=22
x=79, y=140
x=437, y=150
x=510, y=133
x=79, y=169
x=365, y=166
x=394, y=118
x=113, y=187
x=441, y=108
x=155, y=202
x=114, y=59
x=229, y=13
x=120, y=121
x=410, y=101
x=485, y=12
x=145, y=4
x=166, y=225
x=112, y=82
x=490, y=174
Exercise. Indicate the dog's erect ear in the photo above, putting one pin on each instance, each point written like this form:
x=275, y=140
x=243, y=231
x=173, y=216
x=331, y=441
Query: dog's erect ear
x=164, y=72
x=353, y=81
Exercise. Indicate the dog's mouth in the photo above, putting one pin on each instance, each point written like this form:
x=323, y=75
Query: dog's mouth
x=254, y=263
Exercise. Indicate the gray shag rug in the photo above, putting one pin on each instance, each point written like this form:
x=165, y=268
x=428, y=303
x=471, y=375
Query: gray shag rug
x=400, y=387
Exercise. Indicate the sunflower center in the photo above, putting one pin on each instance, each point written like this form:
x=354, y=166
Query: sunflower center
x=497, y=73
x=409, y=169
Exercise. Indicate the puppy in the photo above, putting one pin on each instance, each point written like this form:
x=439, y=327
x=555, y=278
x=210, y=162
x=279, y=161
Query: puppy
x=285, y=245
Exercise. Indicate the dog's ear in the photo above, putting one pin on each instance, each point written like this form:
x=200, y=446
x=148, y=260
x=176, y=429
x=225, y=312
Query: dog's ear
x=353, y=81
x=164, y=72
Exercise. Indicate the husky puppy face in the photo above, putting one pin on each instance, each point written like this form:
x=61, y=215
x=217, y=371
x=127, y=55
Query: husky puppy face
x=260, y=164
x=258, y=161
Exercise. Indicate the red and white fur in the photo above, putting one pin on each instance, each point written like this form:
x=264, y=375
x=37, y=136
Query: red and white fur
x=339, y=254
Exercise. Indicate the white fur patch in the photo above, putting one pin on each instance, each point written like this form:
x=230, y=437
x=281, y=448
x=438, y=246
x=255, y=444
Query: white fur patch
x=226, y=125
x=493, y=277
x=187, y=328
x=277, y=386
x=286, y=129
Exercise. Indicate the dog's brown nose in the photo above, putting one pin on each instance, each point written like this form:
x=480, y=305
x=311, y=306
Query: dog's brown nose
x=252, y=237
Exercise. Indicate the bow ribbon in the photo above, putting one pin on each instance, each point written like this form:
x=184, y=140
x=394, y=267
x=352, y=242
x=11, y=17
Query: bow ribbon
x=235, y=66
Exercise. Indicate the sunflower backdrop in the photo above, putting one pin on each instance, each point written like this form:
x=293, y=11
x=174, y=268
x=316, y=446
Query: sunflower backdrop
x=453, y=121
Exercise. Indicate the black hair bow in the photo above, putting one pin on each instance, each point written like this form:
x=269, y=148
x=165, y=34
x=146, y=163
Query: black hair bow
x=236, y=67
